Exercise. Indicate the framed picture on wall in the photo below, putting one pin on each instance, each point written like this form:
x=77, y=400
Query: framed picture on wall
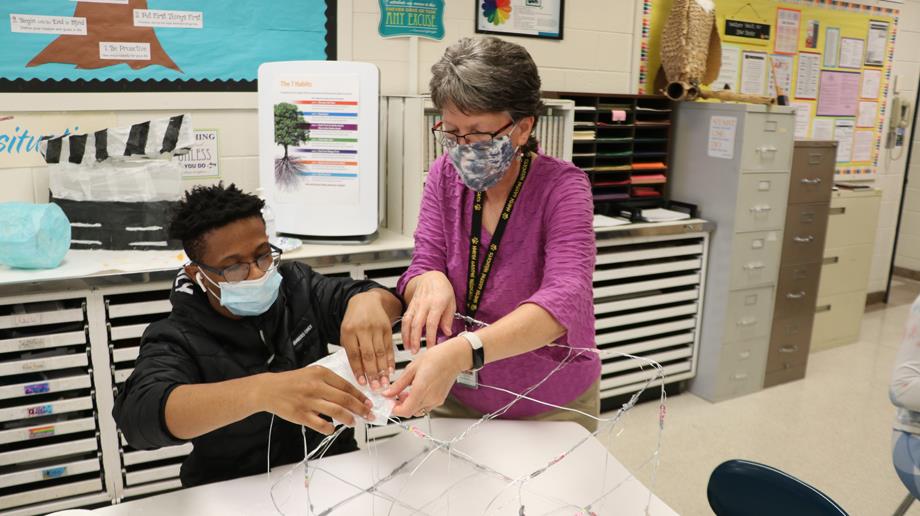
x=528, y=18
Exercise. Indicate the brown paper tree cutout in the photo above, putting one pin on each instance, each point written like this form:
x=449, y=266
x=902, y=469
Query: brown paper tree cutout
x=109, y=23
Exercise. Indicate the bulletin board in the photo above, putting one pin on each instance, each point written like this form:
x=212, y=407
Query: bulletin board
x=832, y=58
x=167, y=41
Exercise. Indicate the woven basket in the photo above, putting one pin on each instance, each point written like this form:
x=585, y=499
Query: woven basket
x=685, y=42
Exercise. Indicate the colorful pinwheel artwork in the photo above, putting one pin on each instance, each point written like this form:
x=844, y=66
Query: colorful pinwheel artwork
x=496, y=11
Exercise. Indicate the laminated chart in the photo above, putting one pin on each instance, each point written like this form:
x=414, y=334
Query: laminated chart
x=156, y=39
x=316, y=132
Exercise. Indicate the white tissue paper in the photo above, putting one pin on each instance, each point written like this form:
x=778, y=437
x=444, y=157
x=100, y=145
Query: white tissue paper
x=383, y=406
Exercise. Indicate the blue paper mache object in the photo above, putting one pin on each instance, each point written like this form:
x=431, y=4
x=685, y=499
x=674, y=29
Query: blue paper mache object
x=33, y=236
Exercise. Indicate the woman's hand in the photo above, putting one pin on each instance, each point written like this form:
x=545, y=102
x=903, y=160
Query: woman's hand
x=367, y=336
x=432, y=303
x=302, y=395
x=430, y=376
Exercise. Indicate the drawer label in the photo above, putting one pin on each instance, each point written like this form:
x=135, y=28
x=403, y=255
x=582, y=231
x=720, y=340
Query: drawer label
x=37, y=388
x=27, y=319
x=41, y=431
x=31, y=342
x=33, y=366
x=54, y=472
x=41, y=410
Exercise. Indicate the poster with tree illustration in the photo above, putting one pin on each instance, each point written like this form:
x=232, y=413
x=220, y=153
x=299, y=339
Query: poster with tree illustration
x=290, y=129
x=174, y=40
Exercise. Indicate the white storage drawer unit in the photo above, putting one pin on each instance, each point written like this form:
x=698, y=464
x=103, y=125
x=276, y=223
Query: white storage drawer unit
x=50, y=453
x=648, y=288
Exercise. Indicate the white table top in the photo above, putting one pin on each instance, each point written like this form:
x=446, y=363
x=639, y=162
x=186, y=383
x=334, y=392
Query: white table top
x=443, y=485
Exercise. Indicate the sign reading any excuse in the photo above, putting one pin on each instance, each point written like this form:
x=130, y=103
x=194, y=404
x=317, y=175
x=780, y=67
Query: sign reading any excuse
x=406, y=18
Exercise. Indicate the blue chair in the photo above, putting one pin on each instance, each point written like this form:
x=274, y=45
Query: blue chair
x=744, y=488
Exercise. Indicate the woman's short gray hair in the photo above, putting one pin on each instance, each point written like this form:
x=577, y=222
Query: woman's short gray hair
x=488, y=75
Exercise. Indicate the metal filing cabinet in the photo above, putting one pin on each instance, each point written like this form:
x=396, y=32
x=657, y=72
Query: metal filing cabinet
x=734, y=161
x=812, y=178
x=852, y=222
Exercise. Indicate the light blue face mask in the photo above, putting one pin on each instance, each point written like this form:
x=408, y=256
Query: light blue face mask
x=247, y=298
x=482, y=165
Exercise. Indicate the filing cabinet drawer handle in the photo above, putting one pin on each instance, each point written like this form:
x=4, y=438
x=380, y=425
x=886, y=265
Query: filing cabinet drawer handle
x=789, y=349
x=840, y=210
x=830, y=260
x=754, y=266
x=796, y=295
x=739, y=376
x=814, y=181
x=767, y=148
x=804, y=240
x=747, y=321
x=822, y=308
x=744, y=355
x=761, y=209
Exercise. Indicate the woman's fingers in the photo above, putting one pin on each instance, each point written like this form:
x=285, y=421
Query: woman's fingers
x=401, y=383
x=418, y=322
x=410, y=406
x=447, y=321
x=431, y=327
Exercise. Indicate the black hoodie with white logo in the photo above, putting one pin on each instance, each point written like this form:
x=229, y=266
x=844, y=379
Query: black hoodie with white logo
x=196, y=344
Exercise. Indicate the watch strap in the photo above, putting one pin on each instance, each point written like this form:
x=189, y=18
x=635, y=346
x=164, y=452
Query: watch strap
x=479, y=354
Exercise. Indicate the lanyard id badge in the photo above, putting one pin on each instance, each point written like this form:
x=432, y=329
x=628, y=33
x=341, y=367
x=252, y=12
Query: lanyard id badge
x=476, y=278
x=469, y=379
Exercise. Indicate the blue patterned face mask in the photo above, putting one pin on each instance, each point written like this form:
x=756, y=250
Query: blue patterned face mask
x=482, y=165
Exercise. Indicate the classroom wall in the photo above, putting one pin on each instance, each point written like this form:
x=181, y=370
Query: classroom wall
x=908, y=251
x=891, y=171
x=599, y=54
x=596, y=55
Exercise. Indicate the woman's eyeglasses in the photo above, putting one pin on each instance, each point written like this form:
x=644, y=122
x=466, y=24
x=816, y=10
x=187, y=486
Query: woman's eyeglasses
x=240, y=271
x=451, y=138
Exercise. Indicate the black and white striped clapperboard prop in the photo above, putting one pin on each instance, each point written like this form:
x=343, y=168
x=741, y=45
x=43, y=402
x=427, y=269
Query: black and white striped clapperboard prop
x=147, y=139
x=106, y=223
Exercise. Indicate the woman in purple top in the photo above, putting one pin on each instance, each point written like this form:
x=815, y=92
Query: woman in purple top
x=522, y=222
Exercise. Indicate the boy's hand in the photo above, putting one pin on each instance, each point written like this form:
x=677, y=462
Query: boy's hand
x=302, y=395
x=367, y=336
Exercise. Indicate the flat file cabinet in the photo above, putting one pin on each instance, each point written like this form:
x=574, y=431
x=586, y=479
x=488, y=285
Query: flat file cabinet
x=812, y=178
x=734, y=162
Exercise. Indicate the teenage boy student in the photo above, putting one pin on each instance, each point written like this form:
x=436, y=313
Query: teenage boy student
x=237, y=347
